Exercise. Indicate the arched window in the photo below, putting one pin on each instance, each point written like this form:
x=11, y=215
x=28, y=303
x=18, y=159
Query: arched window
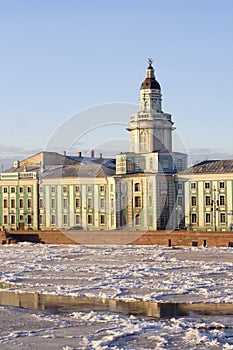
x=137, y=219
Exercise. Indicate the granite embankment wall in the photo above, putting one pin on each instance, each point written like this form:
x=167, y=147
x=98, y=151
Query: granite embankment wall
x=163, y=238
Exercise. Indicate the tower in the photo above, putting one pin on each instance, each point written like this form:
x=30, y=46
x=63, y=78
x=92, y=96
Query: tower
x=150, y=129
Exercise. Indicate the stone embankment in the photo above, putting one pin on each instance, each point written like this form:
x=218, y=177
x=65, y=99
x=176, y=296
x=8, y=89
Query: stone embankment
x=120, y=237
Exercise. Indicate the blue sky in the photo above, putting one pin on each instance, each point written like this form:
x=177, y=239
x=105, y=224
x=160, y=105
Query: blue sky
x=60, y=57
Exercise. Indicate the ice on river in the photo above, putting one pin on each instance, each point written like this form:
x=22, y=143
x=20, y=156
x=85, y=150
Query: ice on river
x=123, y=272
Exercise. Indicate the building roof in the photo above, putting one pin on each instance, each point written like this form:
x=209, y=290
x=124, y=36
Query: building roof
x=78, y=170
x=211, y=167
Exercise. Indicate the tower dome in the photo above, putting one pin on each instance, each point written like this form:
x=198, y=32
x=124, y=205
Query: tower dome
x=150, y=82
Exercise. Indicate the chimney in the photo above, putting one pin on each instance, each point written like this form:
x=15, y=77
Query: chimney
x=79, y=154
x=92, y=153
x=101, y=155
x=64, y=153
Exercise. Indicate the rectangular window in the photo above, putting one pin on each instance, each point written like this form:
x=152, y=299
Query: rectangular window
x=5, y=219
x=21, y=218
x=207, y=218
x=102, y=203
x=89, y=219
x=53, y=203
x=21, y=189
x=53, y=189
x=89, y=189
x=207, y=185
x=5, y=203
x=102, y=219
x=53, y=219
x=64, y=189
x=12, y=203
x=41, y=220
x=29, y=189
x=179, y=186
x=221, y=184
x=65, y=203
x=12, y=189
x=77, y=219
x=193, y=201
x=29, y=203
x=41, y=189
x=65, y=219
x=194, y=218
x=89, y=203
x=77, y=202
x=4, y=189
x=29, y=219
x=193, y=185
x=12, y=219
x=77, y=189
x=41, y=203
x=102, y=188
x=222, y=218
x=207, y=200
x=222, y=200
x=21, y=203
x=180, y=201
x=137, y=202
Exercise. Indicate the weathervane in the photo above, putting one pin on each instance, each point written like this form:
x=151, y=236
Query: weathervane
x=150, y=61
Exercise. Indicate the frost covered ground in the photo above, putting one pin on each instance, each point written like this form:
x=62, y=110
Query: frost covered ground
x=123, y=272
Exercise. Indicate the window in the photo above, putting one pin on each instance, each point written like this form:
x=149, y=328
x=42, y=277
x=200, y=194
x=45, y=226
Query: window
x=53, y=203
x=64, y=189
x=180, y=201
x=5, y=219
x=77, y=189
x=102, y=188
x=137, y=187
x=207, y=185
x=77, y=203
x=221, y=184
x=65, y=203
x=53, y=189
x=41, y=189
x=29, y=219
x=65, y=219
x=89, y=219
x=21, y=203
x=41, y=220
x=165, y=162
x=222, y=200
x=207, y=200
x=89, y=203
x=21, y=189
x=193, y=201
x=12, y=219
x=12, y=203
x=12, y=189
x=21, y=218
x=179, y=186
x=138, y=202
x=193, y=185
x=194, y=218
x=123, y=202
x=102, y=219
x=29, y=189
x=150, y=201
x=137, y=219
x=222, y=218
x=41, y=203
x=143, y=141
x=207, y=218
x=53, y=219
x=77, y=219
x=102, y=203
x=29, y=203
x=5, y=203
x=130, y=165
x=4, y=189
x=89, y=188
x=150, y=186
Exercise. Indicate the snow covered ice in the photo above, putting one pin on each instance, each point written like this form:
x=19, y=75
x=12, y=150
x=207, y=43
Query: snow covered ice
x=121, y=272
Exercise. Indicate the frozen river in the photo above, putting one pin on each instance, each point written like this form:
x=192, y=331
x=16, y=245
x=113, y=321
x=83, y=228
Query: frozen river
x=147, y=273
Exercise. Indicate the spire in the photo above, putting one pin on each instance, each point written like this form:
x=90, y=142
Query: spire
x=150, y=69
x=150, y=82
